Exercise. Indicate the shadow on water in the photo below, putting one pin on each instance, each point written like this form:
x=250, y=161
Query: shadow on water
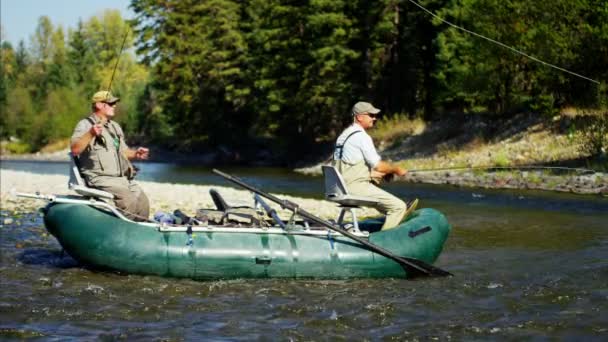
x=47, y=258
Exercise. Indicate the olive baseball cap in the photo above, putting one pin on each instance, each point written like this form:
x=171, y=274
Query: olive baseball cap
x=364, y=107
x=104, y=96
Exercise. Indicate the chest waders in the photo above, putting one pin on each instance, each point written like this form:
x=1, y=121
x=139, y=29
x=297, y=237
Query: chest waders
x=359, y=182
x=352, y=173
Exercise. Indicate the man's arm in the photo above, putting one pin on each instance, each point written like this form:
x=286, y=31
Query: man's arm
x=81, y=143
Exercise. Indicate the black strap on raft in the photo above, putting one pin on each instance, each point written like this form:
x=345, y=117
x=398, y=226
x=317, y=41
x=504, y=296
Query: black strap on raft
x=414, y=233
x=341, y=147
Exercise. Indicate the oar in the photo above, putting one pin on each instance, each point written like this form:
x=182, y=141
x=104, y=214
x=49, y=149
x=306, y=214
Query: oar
x=413, y=267
x=271, y=212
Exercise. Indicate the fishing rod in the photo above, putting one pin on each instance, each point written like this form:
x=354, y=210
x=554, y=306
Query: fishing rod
x=523, y=167
x=124, y=40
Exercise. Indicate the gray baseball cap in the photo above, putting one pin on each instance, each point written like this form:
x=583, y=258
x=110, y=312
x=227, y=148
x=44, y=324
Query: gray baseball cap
x=364, y=107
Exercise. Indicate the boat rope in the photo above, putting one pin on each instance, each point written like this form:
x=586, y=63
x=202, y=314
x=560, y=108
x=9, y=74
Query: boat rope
x=523, y=167
x=502, y=44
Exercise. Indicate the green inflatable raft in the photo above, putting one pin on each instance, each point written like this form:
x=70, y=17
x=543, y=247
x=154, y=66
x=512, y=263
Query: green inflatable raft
x=99, y=238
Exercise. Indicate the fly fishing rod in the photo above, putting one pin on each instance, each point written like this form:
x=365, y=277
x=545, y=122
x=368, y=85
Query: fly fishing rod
x=122, y=46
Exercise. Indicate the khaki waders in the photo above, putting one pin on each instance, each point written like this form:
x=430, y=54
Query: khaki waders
x=127, y=195
x=358, y=182
x=104, y=166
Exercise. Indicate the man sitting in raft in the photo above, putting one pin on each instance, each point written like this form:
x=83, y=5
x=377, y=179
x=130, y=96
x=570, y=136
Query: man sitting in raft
x=103, y=155
x=356, y=158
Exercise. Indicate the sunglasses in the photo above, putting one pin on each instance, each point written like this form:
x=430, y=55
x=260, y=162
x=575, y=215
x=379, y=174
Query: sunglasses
x=373, y=116
x=113, y=104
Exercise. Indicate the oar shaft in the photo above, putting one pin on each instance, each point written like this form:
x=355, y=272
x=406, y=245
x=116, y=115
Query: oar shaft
x=270, y=211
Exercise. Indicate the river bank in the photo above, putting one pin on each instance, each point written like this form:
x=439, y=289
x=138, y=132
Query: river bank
x=527, y=152
x=578, y=182
x=531, y=178
x=163, y=196
x=523, y=151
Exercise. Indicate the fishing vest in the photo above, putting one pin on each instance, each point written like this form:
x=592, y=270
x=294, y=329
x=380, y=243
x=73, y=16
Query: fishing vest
x=351, y=173
x=105, y=155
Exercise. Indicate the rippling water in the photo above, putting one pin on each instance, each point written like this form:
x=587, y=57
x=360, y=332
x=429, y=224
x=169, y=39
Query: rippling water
x=530, y=275
x=527, y=266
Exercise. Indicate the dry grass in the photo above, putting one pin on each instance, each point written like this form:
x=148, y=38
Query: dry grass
x=56, y=146
x=396, y=128
x=533, y=147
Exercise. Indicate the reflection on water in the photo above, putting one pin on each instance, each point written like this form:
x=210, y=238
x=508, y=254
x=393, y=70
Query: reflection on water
x=528, y=265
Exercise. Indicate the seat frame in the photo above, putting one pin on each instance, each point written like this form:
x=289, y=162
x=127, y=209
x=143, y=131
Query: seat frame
x=78, y=185
x=336, y=191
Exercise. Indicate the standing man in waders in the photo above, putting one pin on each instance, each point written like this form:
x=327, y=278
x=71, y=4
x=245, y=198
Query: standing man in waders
x=98, y=144
x=356, y=158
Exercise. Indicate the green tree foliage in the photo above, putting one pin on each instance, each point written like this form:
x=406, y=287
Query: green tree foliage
x=211, y=72
x=82, y=60
x=475, y=74
x=301, y=66
x=197, y=52
x=47, y=88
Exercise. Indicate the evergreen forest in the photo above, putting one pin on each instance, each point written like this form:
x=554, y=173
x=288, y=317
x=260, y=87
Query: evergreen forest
x=194, y=74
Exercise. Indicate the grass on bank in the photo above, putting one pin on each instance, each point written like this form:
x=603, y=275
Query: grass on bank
x=555, y=142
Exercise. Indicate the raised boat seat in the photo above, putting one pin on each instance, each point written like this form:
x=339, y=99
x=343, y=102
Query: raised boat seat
x=335, y=191
x=78, y=185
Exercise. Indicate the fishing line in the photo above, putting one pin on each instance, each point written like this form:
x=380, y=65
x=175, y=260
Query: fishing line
x=502, y=44
x=524, y=167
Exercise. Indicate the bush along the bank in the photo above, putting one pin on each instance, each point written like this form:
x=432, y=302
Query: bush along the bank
x=595, y=136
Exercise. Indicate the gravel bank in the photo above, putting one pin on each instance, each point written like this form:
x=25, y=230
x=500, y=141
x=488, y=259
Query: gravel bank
x=590, y=184
x=163, y=196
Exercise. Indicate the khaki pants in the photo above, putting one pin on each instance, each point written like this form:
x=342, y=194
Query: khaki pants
x=390, y=205
x=128, y=196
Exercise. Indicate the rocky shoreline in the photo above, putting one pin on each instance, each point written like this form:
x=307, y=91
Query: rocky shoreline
x=163, y=196
x=577, y=182
x=534, y=179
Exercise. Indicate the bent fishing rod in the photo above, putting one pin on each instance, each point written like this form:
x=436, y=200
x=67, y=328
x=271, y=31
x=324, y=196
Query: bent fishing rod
x=413, y=267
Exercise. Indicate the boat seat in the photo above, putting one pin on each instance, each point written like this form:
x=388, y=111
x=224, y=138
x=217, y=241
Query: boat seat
x=79, y=186
x=335, y=191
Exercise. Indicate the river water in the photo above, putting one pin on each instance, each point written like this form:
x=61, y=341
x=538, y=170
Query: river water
x=527, y=265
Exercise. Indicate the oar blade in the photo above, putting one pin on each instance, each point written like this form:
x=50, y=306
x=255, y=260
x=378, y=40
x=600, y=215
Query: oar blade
x=428, y=270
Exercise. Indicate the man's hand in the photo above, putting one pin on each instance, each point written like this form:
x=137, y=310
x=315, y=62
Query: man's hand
x=390, y=168
x=399, y=171
x=142, y=153
x=96, y=130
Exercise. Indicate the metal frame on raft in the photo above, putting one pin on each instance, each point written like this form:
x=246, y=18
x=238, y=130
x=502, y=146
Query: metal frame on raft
x=289, y=229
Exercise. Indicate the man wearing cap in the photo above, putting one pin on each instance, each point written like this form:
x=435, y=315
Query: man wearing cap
x=356, y=158
x=103, y=157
